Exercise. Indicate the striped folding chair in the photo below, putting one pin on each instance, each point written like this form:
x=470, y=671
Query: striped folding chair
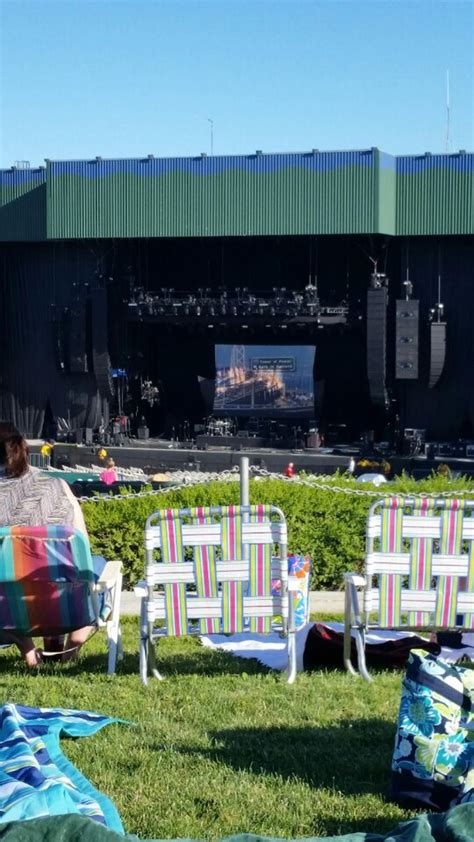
x=419, y=571
x=48, y=586
x=209, y=570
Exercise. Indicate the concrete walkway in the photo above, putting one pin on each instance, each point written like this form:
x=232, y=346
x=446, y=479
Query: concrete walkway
x=330, y=602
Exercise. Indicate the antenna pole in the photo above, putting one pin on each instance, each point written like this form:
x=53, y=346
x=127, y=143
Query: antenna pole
x=448, y=115
x=211, y=122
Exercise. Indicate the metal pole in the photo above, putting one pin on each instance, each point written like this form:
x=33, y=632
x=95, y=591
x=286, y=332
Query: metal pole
x=244, y=480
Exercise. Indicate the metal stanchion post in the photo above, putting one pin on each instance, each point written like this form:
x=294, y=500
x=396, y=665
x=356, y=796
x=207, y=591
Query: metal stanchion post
x=244, y=480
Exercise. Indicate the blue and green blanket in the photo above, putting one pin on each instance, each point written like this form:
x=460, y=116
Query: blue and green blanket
x=36, y=779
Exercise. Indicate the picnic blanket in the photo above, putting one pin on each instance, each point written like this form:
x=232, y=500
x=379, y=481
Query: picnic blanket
x=36, y=779
x=457, y=825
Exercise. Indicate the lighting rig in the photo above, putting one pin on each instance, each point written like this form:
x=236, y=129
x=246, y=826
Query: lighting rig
x=282, y=305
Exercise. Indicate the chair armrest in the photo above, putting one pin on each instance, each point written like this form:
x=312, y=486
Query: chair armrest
x=352, y=609
x=109, y=575
x=355, y=579
x=140, y=589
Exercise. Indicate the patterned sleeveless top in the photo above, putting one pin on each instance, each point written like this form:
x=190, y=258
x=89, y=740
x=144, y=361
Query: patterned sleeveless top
x=34, y=500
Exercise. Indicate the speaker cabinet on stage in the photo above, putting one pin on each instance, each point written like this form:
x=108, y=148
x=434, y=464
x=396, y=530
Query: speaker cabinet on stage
x=438, y=352
x=143, y=433
x=406, y=339
x=377, y=301
x=88, y=435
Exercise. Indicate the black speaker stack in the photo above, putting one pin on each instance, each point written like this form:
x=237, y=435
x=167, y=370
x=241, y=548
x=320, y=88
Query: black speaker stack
x=377, y=302
x=437, y=352
x=406, y=339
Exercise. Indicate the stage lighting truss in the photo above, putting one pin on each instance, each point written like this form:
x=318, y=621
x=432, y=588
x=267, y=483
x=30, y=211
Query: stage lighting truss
x=280, y=306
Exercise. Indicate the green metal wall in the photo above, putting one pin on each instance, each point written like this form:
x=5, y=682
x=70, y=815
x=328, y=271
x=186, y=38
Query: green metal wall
x=435, y=194
x=366, y=192
x=22, y=205
x=322, y=193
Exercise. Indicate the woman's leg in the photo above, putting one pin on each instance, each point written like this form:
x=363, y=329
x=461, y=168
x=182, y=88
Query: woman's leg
x=75, y=641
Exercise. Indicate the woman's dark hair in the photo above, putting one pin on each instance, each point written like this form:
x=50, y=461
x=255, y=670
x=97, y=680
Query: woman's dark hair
x=13, y=451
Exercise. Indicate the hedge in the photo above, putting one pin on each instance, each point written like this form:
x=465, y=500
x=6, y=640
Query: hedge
x=330, y=526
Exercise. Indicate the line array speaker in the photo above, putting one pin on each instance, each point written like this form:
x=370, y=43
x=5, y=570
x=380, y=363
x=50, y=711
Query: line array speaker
x=406, y=339
x=377, y=301
x=438, y=352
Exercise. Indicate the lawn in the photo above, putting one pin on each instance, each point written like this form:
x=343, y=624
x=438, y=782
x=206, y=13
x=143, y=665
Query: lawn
x=224, y=746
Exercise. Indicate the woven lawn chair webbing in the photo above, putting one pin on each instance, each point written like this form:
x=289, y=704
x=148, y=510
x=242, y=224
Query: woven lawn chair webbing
x=232, y=592
x=260, y=584
x=172, y=551
x=205, y=571
x=426, y=554
x=450, y=544
x=421, y=558
x=391, y=541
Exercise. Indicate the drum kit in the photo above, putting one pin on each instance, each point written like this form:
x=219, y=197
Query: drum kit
x=220, y=426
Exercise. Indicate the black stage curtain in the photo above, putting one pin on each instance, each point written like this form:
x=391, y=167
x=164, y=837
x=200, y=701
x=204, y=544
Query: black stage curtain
x=37, y=282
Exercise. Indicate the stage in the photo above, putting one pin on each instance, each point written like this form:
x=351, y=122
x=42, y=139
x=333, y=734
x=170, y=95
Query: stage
x=156, y=455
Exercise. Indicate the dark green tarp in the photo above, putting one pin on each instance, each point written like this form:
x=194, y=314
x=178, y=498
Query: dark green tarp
x=457, y=825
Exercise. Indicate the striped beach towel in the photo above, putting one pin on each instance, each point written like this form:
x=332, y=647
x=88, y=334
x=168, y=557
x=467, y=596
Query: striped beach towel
x=36, y=779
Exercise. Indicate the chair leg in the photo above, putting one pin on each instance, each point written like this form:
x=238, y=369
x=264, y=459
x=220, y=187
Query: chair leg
x=360, y=644
x=144, y=643
x=113, y=626
x=152, y=660
x=347, y=631
x=291, y=672
x=120, y=644
x=144, y=660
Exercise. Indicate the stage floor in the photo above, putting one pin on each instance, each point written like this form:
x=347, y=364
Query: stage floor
x=157, y=455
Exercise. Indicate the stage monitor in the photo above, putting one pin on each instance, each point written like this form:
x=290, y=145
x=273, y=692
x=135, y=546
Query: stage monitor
x=265, y=380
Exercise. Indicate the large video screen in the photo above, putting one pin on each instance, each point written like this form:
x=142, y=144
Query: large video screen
x=265, y=380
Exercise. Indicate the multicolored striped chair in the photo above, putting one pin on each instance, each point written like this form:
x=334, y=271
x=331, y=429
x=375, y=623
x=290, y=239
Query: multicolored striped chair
x=48, y=586
x=419, y=571
x=209, y=570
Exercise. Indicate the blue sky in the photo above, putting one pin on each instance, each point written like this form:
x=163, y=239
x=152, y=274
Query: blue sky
x=124, y=79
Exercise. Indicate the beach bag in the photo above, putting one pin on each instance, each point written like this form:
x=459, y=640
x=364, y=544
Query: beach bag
x=299, y=568
x=433, y=759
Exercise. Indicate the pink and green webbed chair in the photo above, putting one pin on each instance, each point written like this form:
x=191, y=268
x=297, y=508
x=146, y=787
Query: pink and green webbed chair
x=418, y=572
x=209, y=570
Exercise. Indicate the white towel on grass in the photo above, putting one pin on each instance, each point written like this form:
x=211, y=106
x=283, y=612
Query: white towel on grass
x=270, y=649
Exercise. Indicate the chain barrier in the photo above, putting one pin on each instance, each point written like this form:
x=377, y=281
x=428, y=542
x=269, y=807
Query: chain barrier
x=233, y=475
x=357, y=492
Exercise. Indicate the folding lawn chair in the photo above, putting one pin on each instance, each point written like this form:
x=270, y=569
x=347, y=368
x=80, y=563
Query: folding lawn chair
x=419, y=571
x=48, y=586
x=209, y=570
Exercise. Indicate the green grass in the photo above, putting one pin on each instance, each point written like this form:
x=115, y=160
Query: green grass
x=222, y=745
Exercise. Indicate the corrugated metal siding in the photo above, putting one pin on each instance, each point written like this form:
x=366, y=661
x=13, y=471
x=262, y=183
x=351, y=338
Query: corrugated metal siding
x=22, y=205
x=386, y=194
x=307, y=193
x=435, y=194
x=313, y=193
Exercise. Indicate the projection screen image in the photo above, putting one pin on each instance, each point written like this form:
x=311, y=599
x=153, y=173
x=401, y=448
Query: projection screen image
x=270, y=380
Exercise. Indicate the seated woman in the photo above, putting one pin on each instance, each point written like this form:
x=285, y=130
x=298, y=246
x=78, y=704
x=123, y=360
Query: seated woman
x=29, y=497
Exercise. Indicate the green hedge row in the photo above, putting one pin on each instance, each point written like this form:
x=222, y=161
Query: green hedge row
x=330, y=526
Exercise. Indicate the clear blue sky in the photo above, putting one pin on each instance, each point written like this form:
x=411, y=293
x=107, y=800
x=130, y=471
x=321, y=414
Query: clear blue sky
x=124, y=79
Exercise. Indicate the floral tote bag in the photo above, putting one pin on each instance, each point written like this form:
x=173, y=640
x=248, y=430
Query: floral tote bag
x=433, y=760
